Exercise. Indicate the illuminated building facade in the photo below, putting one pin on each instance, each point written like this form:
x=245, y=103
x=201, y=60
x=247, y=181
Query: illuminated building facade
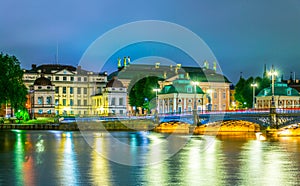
x=284, y=96
x=73, y=87
x=112, y=101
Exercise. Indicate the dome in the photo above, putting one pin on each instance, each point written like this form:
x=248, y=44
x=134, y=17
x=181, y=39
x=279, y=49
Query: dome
x=42, y=81
x=114, y=83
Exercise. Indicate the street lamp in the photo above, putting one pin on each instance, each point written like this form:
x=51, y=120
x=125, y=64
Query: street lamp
x=273, y=73
x=253, y=85
x=156, y=90
x=156, y=110
x=195, y=83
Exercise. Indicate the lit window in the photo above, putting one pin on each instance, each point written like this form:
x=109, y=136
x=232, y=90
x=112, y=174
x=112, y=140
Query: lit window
x=49, y=100
x=40, y=100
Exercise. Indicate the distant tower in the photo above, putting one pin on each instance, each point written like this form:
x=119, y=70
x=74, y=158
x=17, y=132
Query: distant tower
x=265, y=75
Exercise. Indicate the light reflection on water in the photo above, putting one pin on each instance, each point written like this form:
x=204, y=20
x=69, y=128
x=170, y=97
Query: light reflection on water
x=64, y=158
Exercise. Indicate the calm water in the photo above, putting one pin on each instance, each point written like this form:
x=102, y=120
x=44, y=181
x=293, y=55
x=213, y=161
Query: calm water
x=67, y=158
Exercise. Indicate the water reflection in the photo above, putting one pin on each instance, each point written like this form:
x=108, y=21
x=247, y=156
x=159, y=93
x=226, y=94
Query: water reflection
x=64, y=158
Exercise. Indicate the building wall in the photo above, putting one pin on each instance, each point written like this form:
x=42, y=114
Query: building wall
x=280, y=102
x=72, y=91
x=109, y=102
x=39, y=105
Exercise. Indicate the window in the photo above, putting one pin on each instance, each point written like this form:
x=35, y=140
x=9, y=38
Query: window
x=79, y=79
x=57, y=78
x=71, y=102
x=40, y=100
x=64, y=78
x=85, y=102
x=49, y=100
x=64, y=90
x=224, y=95
x=121, y=111
x=56, y=101
x=40, y=111
x=190, y=100
x=189, y=89
x=39, y=87
x=72, y=78
x=64, y=102
x=121, y=101
x=85, y=90
x=78, y=90
x=215, y=95
x=199, y=100
x=79, y=102
x=56, y=90
x=113, y=101
x=71, y=90
x=48, y=87
x=179, y=101
x=49, y=111
x=49, y=77
x=85, y=78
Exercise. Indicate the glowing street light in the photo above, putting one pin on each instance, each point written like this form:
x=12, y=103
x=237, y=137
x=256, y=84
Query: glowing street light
x=273, y=73
x=253, y=85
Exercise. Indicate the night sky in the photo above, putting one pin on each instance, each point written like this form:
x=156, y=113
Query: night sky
x=243, y=35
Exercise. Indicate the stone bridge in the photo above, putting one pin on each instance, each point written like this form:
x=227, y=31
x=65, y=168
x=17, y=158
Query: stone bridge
x=279, y=119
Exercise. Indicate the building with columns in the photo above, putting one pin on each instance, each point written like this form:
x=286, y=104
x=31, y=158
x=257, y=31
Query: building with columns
x=284, y=96
x=216, y=87
x=180, y=97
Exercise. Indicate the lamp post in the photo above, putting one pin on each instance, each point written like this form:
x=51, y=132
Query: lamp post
x=157, y=105
x=194, y=83
x=273, y=119
x=253, y=85
x=273, y=73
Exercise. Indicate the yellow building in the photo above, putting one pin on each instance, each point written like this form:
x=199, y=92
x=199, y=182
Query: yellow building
x=112, y=101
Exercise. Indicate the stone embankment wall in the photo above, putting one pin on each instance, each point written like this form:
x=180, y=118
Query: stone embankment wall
x=124, y=125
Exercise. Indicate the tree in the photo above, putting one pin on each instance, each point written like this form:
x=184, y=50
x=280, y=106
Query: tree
x=141, y=92
x=12, y=88
x=244, y=92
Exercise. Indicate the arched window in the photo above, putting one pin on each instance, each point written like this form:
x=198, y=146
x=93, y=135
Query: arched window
x=40, y=100
x=49, y=100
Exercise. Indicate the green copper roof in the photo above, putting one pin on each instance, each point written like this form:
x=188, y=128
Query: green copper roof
x=280, y=89
x=181, y=86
